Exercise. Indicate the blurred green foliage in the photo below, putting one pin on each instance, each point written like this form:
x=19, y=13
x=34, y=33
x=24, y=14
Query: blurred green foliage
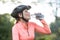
x=6, y=23
x=5, y=27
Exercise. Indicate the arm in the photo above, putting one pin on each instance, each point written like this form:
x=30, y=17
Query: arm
x=43, y=30
x=15, y=35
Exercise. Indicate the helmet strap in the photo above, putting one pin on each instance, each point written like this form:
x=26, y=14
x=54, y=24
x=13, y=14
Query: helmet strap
x=24, y=18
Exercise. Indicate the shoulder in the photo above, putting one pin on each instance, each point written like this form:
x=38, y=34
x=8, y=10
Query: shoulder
x=17, y=26
x=14, y=26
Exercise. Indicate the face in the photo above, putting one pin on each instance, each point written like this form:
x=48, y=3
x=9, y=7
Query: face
x=26, y=14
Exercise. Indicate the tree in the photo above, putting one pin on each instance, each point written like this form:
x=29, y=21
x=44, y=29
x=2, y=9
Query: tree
x=55, y=27
x=5, y=27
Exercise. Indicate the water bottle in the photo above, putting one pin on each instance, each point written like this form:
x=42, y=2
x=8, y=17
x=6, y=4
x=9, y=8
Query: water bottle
x=38, y=15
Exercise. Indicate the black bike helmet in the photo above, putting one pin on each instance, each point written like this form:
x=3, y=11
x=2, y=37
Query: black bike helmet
x=19, y=9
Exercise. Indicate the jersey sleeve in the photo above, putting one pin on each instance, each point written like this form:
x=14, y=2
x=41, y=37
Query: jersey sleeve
x=43, y=30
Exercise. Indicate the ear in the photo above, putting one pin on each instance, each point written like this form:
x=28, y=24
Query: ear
x=20, y=14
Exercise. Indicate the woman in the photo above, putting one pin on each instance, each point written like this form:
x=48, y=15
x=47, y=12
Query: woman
x=23, y=29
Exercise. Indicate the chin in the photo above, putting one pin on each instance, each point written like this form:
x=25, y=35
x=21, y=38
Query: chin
x=28, y=19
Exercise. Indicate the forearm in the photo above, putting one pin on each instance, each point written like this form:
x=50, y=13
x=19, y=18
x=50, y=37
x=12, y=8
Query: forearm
x=46, y=27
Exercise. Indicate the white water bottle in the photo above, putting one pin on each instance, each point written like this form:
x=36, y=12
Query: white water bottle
x=38, y=15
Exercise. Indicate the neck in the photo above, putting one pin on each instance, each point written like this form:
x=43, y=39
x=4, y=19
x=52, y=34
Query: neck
x=25, y=22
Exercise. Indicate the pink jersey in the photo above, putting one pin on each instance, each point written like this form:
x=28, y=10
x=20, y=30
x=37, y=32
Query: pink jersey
x=20, y=32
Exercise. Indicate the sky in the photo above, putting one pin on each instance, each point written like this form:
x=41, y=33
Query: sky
x=42, y=7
